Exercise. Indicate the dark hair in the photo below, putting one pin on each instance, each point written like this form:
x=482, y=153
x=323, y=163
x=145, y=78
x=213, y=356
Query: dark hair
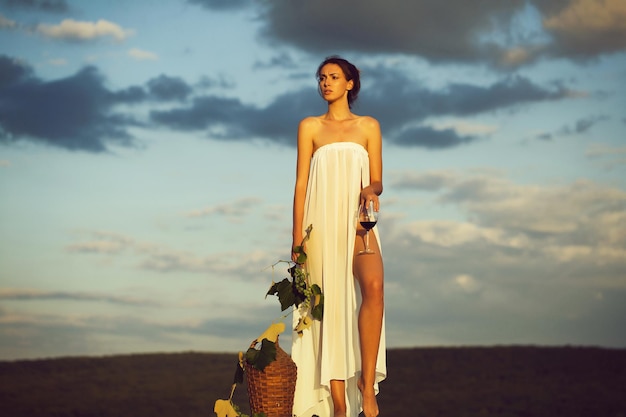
x=349, y=71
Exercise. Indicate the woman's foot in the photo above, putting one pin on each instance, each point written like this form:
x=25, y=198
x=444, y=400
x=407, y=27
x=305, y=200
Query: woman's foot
x=370, y=405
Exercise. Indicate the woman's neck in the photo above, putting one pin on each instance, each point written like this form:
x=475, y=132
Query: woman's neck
x=339, y=110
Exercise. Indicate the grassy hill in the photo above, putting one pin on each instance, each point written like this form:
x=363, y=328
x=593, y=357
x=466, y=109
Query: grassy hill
x=422, y=382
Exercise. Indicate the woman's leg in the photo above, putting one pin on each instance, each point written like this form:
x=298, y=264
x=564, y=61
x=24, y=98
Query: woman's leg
x=368, y=270
x=338, y=394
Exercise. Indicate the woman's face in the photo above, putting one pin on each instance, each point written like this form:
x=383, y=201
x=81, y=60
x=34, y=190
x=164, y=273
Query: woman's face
x=332, y=82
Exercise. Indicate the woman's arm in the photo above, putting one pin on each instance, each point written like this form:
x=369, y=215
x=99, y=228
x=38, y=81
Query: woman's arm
x=374, y=150
x=305, y=151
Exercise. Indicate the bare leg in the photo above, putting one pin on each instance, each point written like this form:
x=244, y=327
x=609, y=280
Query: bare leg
x=338, y=394
x=368, y=270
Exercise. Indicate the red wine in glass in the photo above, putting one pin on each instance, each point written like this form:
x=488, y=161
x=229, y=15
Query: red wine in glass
x=368, y=224
x=368, y=218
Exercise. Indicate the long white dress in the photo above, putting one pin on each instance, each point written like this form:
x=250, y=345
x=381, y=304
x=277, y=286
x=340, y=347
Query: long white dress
x=330, y=349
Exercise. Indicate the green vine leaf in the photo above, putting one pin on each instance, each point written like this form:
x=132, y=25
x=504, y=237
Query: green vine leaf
x=260, y=358
x=317, y=307
x=301, y=254
x=284, y=291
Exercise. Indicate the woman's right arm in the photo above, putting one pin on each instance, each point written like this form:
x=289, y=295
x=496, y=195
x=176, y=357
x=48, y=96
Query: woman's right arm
x=305, y=151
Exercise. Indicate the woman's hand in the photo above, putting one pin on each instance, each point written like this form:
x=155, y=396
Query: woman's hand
x=368, y=195
x=294, y=255
x=294, y=252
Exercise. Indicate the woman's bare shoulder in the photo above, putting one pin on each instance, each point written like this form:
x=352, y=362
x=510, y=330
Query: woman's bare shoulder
x=311, y=120
x=309, y=124
x=368, y=123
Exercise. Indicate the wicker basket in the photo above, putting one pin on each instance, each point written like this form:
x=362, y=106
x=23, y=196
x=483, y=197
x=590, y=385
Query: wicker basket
x=271, y=391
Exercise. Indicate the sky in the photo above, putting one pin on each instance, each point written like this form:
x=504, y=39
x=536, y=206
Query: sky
x=147, y=164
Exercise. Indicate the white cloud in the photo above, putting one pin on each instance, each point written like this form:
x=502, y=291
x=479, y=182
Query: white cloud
x=597, y=150
x=467, y=283
x=607, y=156
x=103, y=243
x=583, y=220
x=74, y=30
x=463, y=127
x=6, y=23
x=97, y=247
x=141, y=55
x=447, y=233
x=234, y=210
x=161, y=258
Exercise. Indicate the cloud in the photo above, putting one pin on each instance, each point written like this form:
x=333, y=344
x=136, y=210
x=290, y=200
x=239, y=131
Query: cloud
x=86, y=120
x=583, y=212
x=422, y=181
x=465, y=128
x=584, y=124
x=8, y=294
x=141, y=55
x=528, y=262
x=394, y=26
x=79, y=112
x=585, y=28
x=7, y=23
x=168, y=88
x=505, y=35
x=222, y=4
x=12, y=71
x=161, y=258
x=55, y=6
x=428, y=137
x=35, y=335
x=73, y=30
x=607, y=156
x=104, y=243
x=580, y=126
x=282, y=60
x=75, y=113
x=234, y=211
x=414, y=103
x=229, y=118
x=467, y=283
x=57, y=62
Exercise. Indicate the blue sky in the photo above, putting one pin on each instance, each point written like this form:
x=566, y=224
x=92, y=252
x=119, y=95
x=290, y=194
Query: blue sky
x=147, y=160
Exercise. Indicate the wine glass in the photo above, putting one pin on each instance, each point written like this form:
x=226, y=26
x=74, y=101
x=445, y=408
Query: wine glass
x=368, y=218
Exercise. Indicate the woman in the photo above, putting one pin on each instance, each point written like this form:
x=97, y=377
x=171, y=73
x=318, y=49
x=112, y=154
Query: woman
x=340, y=360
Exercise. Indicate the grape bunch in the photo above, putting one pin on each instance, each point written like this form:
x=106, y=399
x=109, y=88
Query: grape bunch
x=302, y=287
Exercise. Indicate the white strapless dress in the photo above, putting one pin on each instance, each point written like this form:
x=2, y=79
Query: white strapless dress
x=330, y=349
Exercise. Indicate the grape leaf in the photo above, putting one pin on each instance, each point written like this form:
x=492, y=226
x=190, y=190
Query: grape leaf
x=301, y=257
x=284, y=291
x=260, y=358
x=251, y=355
x=317, y=308
x=303, y=324
x=224, y=408
x=272, y=332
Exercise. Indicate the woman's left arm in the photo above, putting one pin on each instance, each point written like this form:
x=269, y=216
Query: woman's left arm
x=374, y=150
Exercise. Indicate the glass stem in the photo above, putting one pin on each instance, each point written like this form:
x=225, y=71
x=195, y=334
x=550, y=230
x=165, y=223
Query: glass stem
x=367, y=240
